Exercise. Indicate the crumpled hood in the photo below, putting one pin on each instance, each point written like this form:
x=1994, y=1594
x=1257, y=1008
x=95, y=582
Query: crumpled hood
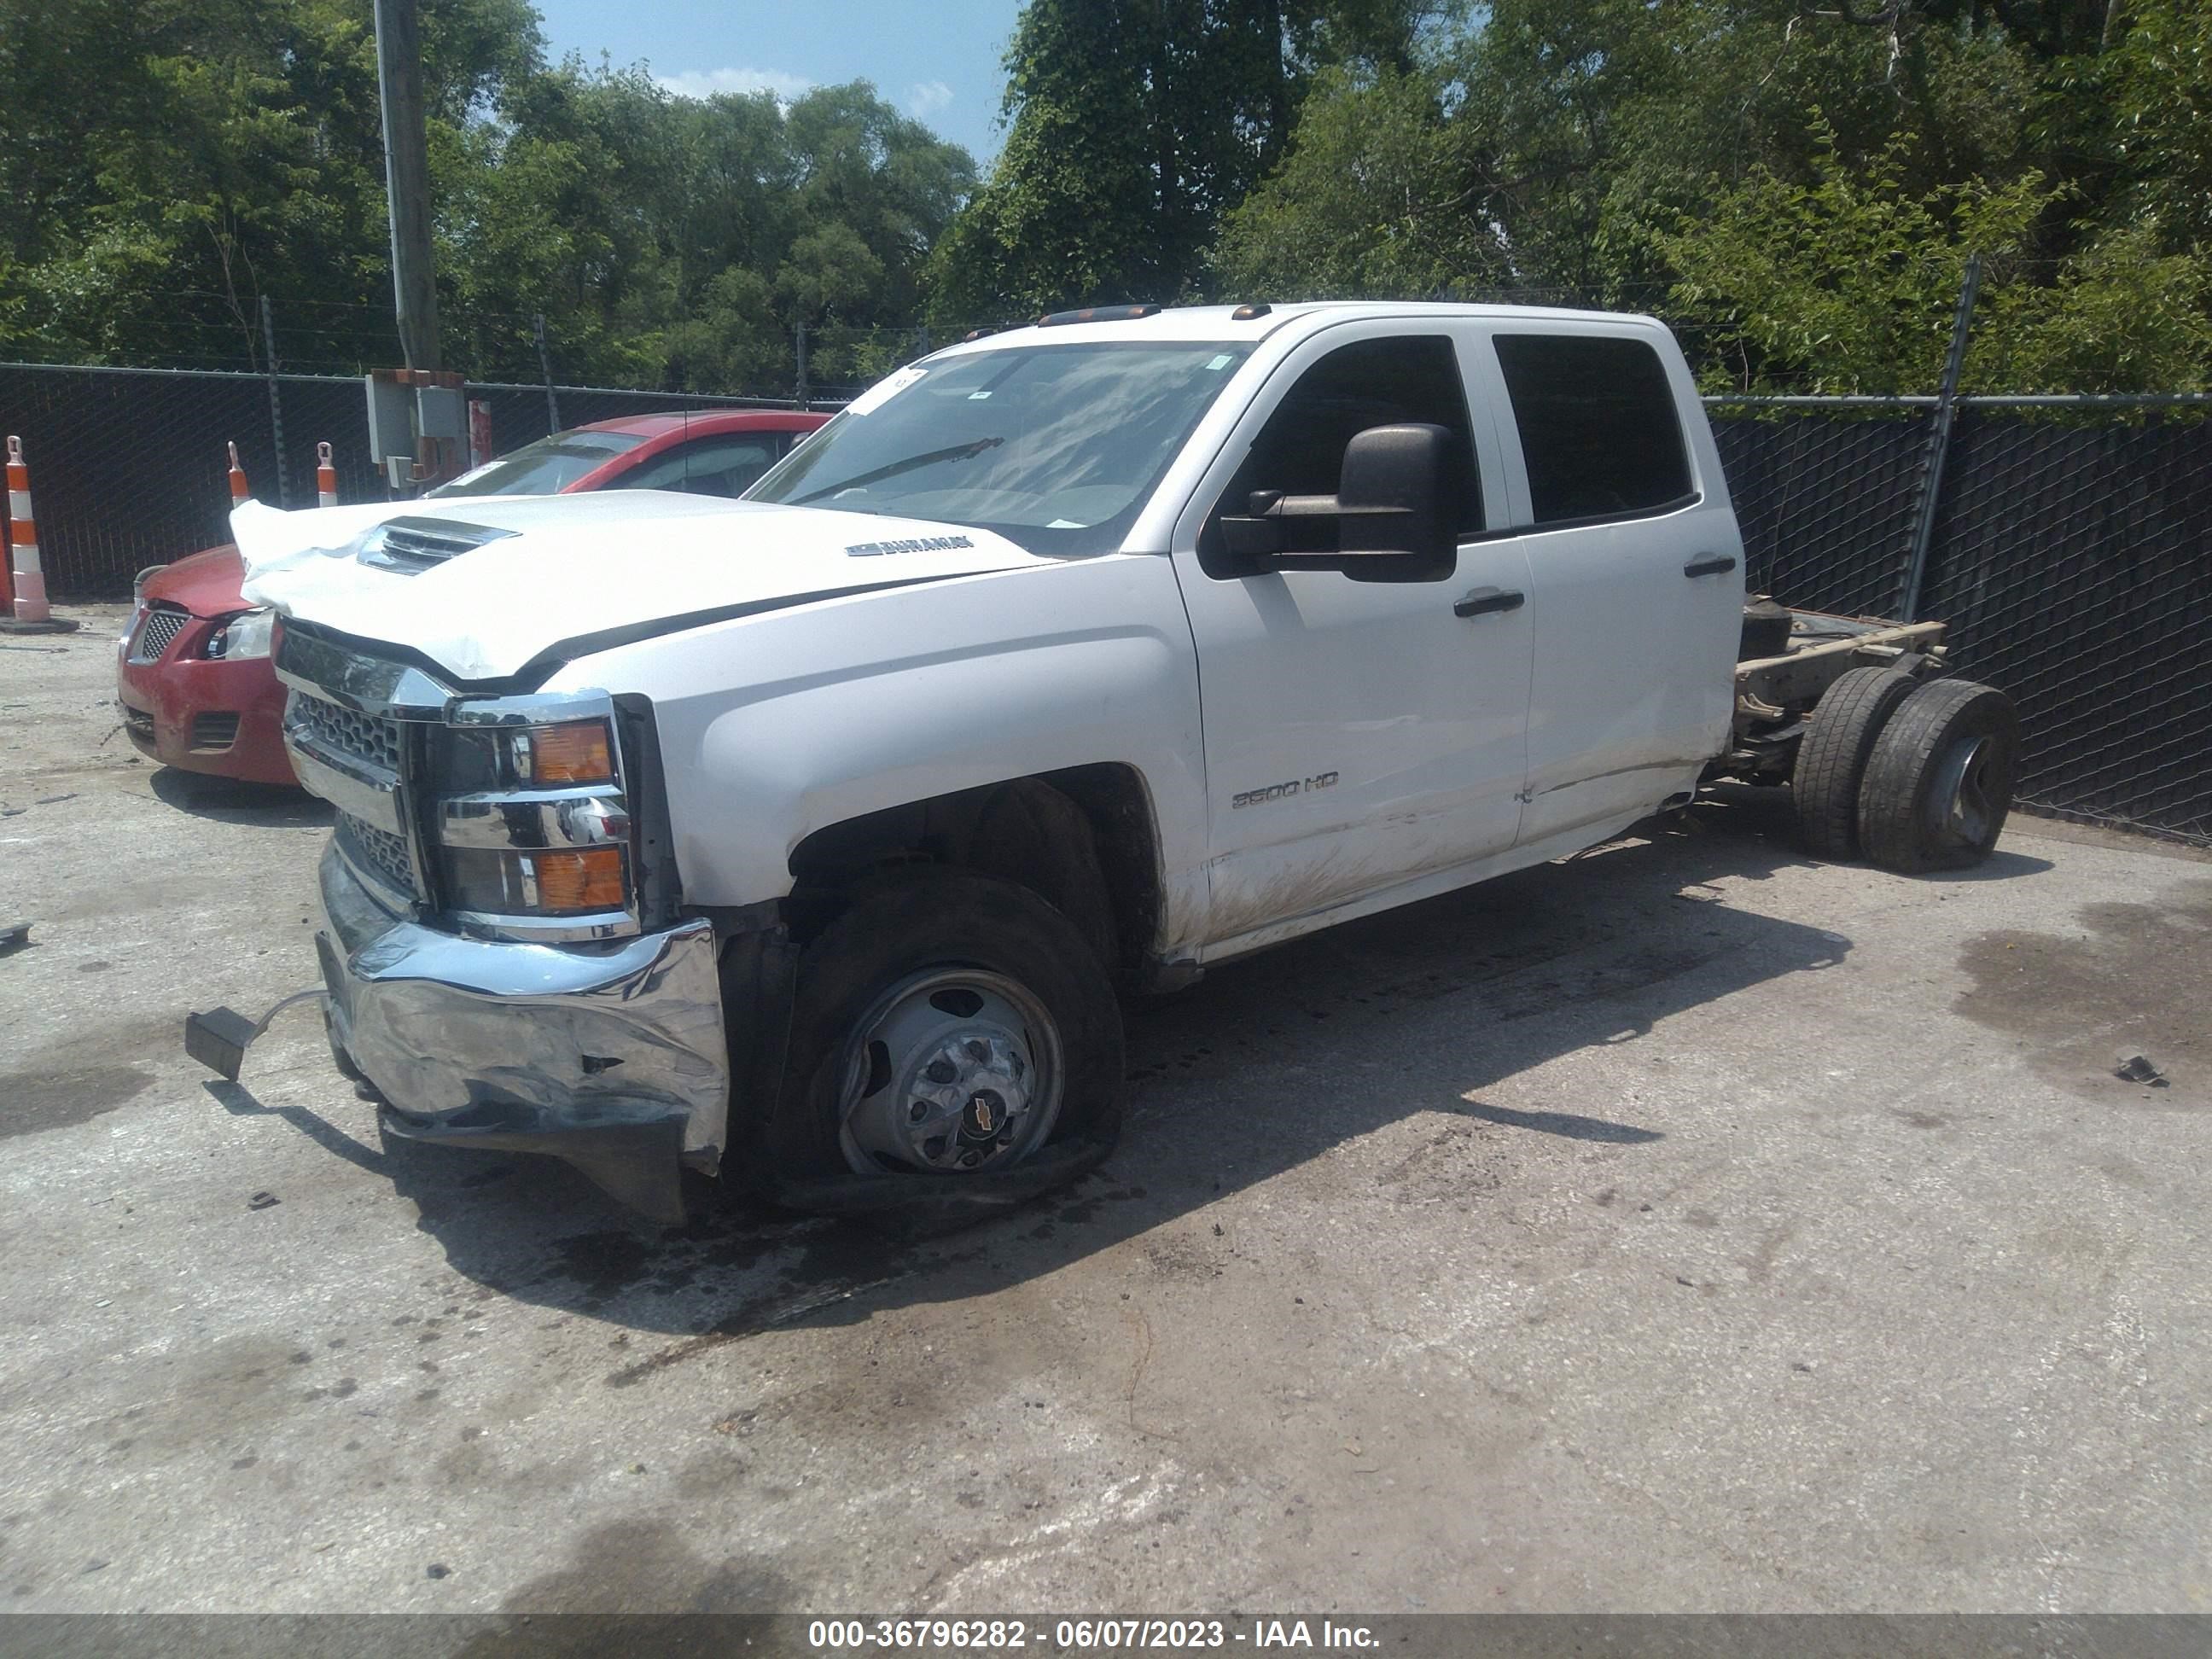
x=574, y=569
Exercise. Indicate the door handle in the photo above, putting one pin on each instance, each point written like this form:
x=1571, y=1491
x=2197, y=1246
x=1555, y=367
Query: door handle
x=1713, y=564
x=1484, y=600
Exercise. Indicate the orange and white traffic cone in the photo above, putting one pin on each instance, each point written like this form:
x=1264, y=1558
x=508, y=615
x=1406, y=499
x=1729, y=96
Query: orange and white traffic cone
x=326, y=477
x=29, y=577
x=239, y=490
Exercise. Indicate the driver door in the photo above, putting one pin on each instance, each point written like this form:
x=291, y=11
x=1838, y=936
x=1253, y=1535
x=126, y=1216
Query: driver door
x=1361, y=735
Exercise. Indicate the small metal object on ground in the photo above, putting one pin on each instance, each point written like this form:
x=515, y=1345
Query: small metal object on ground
x=2137, y=1068
x=262, y=1201
x=219, y=1038
x=14, y=935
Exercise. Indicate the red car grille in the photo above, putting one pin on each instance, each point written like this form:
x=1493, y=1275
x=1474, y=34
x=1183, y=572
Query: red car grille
x=157, y=633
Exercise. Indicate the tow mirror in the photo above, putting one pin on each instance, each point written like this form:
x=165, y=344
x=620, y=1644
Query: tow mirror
x=1389, y=522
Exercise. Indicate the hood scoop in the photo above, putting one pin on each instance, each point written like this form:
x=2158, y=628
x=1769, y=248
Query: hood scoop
x=410, y=546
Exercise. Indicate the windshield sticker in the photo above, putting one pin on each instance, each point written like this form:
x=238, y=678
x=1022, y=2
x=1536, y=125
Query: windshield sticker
x=919, y=544
x=884, y=391
x=1221, y=362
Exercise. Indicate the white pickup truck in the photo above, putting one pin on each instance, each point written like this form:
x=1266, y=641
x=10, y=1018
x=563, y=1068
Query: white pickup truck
x=807, y=839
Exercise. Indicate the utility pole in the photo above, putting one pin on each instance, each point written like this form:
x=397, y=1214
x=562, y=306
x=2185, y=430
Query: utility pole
x=1939, y=443
x=406, y=178
x=545, y=367
x=275, y=403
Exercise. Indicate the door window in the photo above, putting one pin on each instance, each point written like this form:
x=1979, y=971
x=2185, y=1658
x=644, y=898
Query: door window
x=707, y=466
x=1598, y=426
x=1300, y=451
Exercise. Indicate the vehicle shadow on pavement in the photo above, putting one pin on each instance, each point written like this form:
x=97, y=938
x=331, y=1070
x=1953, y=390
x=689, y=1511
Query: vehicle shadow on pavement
x=240, y=1102
x=1262, y=1066
x=228, y=800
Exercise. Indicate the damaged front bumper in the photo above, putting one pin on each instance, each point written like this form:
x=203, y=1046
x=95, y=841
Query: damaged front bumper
x=610, y=1055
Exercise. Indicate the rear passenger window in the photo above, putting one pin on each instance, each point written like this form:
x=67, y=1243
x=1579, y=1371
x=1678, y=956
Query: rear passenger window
x=1598, y=426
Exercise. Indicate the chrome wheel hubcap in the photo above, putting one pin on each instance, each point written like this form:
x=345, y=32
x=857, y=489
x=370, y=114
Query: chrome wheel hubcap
x=1964, y=785
x=952, y=1070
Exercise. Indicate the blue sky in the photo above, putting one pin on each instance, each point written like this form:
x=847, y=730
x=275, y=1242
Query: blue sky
x=938, y=60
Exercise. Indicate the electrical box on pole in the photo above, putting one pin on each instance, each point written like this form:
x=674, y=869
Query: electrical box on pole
x=418, y=425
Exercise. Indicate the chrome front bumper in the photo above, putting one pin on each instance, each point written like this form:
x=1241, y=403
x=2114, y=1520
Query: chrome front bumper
x=611, y=1055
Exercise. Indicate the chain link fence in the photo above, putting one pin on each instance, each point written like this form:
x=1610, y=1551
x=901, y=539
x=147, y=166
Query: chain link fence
x=2075, y=565
x=2070, y=553
x=2071, y=545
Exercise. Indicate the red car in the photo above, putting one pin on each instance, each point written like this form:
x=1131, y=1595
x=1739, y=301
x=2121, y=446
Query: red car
x=194, y=682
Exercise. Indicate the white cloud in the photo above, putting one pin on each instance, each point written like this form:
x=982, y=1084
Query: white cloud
x=925, y=98
x=705, y=83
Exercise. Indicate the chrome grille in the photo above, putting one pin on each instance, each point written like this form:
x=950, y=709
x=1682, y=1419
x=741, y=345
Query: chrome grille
x=157, y=633
x=369, y=737
x=378, y=852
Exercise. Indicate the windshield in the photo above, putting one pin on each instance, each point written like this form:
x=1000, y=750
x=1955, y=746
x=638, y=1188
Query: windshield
x=1056, y=448
x=544, y=468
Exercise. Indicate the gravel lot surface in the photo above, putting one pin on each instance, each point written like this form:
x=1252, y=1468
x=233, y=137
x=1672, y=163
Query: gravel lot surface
x=1683, y=1226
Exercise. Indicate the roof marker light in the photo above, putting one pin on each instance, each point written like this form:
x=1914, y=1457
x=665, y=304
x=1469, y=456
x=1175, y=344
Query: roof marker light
x=1096, y=314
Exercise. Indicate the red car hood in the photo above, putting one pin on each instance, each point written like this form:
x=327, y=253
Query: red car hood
x=205, y=583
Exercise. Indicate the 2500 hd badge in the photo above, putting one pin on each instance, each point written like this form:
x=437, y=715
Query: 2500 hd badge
x=1283, y=791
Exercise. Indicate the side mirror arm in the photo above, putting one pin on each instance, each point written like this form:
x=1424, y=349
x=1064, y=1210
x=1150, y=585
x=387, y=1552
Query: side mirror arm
x=1260, y=534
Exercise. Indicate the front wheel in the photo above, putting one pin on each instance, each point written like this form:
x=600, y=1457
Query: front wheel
x=947, y=1026
x=1939, y=783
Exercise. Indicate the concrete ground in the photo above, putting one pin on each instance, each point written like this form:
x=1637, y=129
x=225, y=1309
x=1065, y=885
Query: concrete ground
x=1684, y=1226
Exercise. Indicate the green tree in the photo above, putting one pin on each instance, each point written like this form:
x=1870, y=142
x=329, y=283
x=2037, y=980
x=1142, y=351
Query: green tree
x=172, y=162
x=235, y=152
x=1372, y=201
x=680, y=241
x=2121, y=315
x=1850, y=284
x=1133, y=126
x=1846, y=285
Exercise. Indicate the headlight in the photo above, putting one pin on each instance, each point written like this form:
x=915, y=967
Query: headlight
x=533, y=820
x=575, y=751
x=568, y=881
x=138, y=582
x=245, y=635
x=494, y=757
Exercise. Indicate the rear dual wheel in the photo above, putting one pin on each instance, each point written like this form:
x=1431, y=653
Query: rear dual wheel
x=1832, y=756
x=1916, y=775
x=1939, y=783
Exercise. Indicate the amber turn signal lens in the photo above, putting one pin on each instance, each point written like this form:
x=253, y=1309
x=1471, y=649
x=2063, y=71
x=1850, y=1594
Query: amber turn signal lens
x=577, y=753
x=589, y=880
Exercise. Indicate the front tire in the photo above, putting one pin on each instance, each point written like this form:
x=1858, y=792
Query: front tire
x=947, y=1025
x=1940, y=782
